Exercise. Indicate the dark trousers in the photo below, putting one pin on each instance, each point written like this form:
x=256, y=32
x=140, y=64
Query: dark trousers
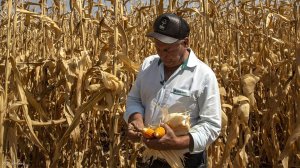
x=191, y=161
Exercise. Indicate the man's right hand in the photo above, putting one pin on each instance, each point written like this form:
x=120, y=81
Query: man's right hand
x=135, y=126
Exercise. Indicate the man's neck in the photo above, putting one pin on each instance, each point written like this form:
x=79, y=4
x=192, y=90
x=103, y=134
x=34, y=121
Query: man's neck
x=171, y=68
x=168, y=71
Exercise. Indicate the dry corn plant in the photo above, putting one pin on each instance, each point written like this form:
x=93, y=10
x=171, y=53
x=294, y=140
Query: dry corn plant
x=67, y=66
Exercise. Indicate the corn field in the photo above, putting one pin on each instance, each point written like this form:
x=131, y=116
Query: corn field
x=66, y=68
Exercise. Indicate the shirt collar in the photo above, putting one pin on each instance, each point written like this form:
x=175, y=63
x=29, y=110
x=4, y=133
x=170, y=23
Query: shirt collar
x=159, y=62
x=192, y=59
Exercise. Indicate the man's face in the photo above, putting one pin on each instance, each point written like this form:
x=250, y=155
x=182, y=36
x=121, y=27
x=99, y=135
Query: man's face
x=171, y=55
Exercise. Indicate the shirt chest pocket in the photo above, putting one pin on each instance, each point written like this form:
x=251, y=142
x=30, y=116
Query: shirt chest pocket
x=181, y=100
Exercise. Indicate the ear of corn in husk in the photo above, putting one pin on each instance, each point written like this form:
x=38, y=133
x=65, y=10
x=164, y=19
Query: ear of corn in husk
x=159, y=132
x=180, y=123
x=148, y=132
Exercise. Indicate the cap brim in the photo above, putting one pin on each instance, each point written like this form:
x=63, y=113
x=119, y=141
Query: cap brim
x=162, y=38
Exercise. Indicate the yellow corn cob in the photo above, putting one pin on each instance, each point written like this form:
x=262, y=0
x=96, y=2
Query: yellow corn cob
x=148, y=132
x=159, y=132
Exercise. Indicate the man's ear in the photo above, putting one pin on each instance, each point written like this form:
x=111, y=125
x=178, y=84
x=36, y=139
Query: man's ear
x=186, y=42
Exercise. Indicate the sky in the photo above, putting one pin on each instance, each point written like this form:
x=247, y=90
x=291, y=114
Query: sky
x=49, y=3
x=106, y=3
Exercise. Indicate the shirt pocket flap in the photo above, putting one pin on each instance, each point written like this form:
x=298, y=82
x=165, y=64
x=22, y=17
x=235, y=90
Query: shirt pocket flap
x=181, y=92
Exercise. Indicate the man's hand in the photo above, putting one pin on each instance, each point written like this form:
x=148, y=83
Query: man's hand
x=134, y=131
x=135, y=126
x=168, y=141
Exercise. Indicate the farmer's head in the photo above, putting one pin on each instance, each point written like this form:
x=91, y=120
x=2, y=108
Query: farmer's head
x=170, y=34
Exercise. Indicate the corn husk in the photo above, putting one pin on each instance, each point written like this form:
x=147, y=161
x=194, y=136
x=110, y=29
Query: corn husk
x=179, y=122
x=173, y=157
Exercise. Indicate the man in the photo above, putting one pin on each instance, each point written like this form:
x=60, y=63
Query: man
x=175, y=78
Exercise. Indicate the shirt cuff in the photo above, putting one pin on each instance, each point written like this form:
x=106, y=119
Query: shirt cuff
x=131, y=110
x=197, y=145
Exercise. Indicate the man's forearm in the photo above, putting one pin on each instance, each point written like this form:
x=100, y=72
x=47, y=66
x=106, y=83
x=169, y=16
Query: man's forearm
x=183, y=142
x=135, y=116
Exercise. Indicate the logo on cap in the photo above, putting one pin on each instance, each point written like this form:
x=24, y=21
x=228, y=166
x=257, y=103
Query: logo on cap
x=163, y=23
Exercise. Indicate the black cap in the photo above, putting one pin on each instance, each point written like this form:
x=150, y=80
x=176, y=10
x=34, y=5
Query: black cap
x=169, y=28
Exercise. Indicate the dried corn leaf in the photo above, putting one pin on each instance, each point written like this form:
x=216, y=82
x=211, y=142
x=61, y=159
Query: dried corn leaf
x=44, y=18
x=15, y=105
x=111, y=82
x=128, y=63
x=192, y=10
x=22, y=95
x=2, y=99
x=269, y=20
x=237, y=100
x=291, y=140
x=77, y=5
x=282, y=17
x=241, y=158
x=243, y=112
x=227, y=106
x=75, y=134
x=93, y=87
x=31, y=100
x=82, y=109
x=224, y=123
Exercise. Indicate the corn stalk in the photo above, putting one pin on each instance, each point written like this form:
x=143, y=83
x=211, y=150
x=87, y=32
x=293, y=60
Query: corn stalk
x=114, y=115
x=7, y=74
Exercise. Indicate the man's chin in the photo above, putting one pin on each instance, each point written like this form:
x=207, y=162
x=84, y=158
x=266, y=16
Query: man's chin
x=170, y=65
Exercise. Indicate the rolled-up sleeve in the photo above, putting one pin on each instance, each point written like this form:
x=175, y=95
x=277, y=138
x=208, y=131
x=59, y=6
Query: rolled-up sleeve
x=208, y=126
x=134, y=100
x=133, y=103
